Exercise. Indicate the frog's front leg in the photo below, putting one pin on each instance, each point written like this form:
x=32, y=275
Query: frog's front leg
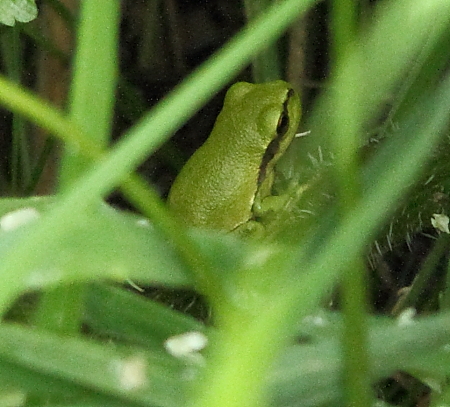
x=263, y=211
x=271, y=210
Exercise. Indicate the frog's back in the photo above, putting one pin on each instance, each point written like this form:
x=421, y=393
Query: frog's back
x=214, y=191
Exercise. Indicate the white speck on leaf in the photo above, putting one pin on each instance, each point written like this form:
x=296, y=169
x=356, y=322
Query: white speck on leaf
x=143, y=222
x=132, y=372
x=39, y=278
x=316, y=320
x=187, y=345
x=440, y=222
x=406, y=317
x=13, y=220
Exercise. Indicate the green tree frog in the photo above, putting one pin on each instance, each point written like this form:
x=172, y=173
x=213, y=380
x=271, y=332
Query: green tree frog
x=228, y=180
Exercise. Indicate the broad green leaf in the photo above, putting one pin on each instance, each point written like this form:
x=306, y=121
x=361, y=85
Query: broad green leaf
x=100, y=243
x=310, y=373
x=47, y=365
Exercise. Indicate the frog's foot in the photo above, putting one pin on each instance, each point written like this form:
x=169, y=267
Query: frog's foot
x=269, y=205
x=250, y=230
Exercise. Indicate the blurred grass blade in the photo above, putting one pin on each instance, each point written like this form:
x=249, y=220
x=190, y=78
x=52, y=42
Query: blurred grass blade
x=81, y=367
x=94, y=83
x=102, y=243
x=310, y=374
x=133, y=318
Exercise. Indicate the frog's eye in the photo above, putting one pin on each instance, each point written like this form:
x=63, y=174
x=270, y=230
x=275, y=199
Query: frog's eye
x=283, y=120
x=283, y=124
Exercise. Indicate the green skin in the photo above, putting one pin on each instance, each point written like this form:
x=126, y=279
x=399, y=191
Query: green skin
x=225, y=183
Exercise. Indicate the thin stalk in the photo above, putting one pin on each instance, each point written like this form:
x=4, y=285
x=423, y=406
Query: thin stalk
x=346, y=142
x=91, y=107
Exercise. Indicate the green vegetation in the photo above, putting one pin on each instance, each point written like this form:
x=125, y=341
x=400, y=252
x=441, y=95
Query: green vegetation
x=75, y=333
